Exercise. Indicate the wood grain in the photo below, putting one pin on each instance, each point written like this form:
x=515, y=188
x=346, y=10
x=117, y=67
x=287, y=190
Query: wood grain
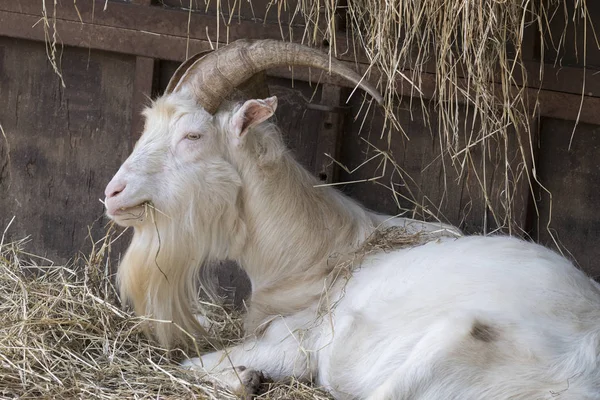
x=65, y=143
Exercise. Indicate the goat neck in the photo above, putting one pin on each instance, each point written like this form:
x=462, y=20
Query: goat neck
x=295, y=233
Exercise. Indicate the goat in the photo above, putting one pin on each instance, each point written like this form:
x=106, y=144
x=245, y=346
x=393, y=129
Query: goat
x=453, y=318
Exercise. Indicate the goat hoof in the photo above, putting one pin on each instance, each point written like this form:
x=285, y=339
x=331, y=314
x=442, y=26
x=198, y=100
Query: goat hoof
x=248, y=383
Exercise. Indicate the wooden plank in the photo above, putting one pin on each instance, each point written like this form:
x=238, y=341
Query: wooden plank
x=255, y=10
x=572, y=175
x=65, y=143
x=142, y=92
x=328, y=141
x=521, y=164
x=167, y=47
x=154, y=20
x=562, y=79
x=529, y=185
x=556, y=104
x=568, y=106
x=99, y=37
x=551, y=103
x=426, y=175
x=176, y=22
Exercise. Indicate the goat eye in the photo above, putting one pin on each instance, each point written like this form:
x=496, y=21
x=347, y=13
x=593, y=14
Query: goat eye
x=193, y=136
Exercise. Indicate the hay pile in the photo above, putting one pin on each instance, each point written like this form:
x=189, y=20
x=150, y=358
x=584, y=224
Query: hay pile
x=63, y=335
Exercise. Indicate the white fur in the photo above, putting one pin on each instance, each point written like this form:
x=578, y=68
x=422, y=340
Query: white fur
x=453, y=318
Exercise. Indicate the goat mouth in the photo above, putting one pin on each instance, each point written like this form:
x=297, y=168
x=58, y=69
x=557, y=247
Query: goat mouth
x=129, y=210
x=134, y=212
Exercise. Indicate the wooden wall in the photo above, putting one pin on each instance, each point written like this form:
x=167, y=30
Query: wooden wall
x=573, y=178
x=63, y=144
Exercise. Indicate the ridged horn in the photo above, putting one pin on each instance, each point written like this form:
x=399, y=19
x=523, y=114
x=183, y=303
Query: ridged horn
x=214, y=76
x=253, y=88
x=182, y=69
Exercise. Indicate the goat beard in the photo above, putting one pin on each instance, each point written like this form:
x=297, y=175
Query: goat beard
x=158, y=276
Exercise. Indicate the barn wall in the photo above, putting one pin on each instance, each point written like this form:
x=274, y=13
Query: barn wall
x=427, y=182
x=572, y=176
x=64, y=144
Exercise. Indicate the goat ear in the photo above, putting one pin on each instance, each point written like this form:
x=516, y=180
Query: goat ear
x=252, y=113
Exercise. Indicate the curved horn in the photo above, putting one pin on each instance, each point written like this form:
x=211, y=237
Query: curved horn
x=213, y=77
x=254, y=87
x=182, y=69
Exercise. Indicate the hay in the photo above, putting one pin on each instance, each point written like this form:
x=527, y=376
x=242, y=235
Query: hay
x=63, y=335
x=475, y=49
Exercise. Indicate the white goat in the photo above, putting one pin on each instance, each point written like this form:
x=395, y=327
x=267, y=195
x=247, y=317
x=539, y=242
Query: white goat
x=455, y=318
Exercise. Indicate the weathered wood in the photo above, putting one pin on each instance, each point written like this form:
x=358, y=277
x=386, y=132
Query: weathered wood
x=330, y=133
x=573, y=177
x=170, y=21
x=142, y=92
x=438, y=185
x=568, y=50
x=173, y=22
x=154, y=20
x=99, y=37
x=255, y=10
x=562, y=79
x=65, y=143
x=127, y=19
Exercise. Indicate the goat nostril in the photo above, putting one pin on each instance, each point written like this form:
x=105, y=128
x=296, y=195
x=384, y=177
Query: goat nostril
x=114, y=189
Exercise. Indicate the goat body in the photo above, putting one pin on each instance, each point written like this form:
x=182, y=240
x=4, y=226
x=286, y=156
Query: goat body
x=454, y=318
x=467, y=318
